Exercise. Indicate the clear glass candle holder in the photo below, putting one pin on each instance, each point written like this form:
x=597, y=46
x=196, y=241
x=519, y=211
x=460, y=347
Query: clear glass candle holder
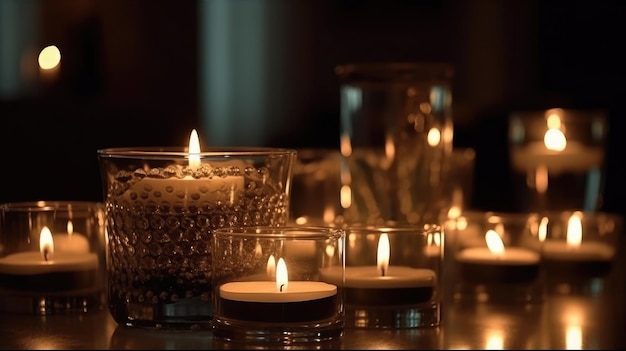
x=269, y=287
x=578, y=249
x=162, y=206
x=392, y=276
x=493, y=258
x=557, y=158
x=52, y=257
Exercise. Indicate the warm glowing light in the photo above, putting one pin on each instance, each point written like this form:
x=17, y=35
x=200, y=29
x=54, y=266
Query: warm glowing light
x=46, y=244
x=344, y=145
x=573, y=338
x=434, y=137
x=554, y=139
x=346, y=196
x=494, y=242
x=553, y=121
x=495, y=341
x=382, y=257
x=543, y=229
x=49, y=57
x=541, y=179
x=258, y=250
x=282, y=280
x=70, y=228
x=194, y=150
x=271, y=266
x=574, y=230
x=454, y=211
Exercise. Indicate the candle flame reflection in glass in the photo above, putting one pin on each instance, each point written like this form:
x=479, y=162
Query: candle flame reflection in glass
x=494, y=242
x=574, y=230
x=46, y=244
x=271, y=266
x=542, y=232
x=555, y=140
x=282, y=280
x=383, y=253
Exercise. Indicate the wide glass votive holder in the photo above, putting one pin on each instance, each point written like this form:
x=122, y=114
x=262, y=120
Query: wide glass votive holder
x=162, y=205
x=557, y=159
x=268, y=284
x=493, y=258
x=578, y=249
x=52, y=257
x=392, y=276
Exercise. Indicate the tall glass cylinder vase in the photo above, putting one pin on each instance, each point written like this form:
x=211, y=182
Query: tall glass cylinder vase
x=396, y=133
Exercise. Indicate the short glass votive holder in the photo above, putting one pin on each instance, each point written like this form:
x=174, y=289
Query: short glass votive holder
x=557, y=158
x=269, y=286
x=493, y=258
x=392, y=276
x=52, y=257
x=578, y=249
x=161, y=207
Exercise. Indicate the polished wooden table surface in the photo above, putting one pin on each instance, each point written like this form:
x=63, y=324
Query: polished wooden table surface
x=574, y=321
x=560, y=322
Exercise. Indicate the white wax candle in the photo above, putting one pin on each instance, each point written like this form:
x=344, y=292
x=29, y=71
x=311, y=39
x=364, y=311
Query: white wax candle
x=586, y=251
x=75, y=242
x=266, y=291
x=32, y=262
x=370, y=277
x=182, y=189
x=510, y=256
x=575, y=157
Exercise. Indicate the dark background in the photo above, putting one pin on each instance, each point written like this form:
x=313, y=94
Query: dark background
x=131, y=75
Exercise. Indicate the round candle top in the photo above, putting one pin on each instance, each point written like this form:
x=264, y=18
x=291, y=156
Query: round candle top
x=370, y=277
x=585, y=251
x=74, y=242
x=574, y=157
x=32, y=262
x=266, y=291
x=510, y=256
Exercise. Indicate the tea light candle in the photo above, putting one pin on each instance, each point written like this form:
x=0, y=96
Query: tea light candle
x=574, y=256
x=47, y=270
x=498, y=264
x=383, y=285
x=188, y=188
x=557, y=154
x=280, y=301
x=71, y=241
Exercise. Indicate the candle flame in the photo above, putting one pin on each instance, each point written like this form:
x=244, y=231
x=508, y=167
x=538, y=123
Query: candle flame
x=554, y=139
x=383, y=253
x=70, y=228
x=194, y=150
x=543, y=229
x=271, y=266
x=282, y=280
x=574, y=230
x=46, y=243
x=494, y=242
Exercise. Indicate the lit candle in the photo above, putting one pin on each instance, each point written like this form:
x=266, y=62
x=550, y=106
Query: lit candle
x=574, y=256
x=279, y=301
x=557, y=154
x=383, y=284
x=186, y=188
x=497, y=264
x=48, y=270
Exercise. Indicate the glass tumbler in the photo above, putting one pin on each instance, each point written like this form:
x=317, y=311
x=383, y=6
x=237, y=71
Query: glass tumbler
x=162, y=205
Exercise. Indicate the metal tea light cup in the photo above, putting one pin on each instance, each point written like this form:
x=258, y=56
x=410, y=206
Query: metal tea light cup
x=162, y=205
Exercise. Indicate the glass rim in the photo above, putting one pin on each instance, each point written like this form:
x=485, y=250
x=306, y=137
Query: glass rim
x=389, y=71
x=571, y=114
x=45, y=206
x=586, y=215
x=280, y=232
x=182, y=152
x=395, y=228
